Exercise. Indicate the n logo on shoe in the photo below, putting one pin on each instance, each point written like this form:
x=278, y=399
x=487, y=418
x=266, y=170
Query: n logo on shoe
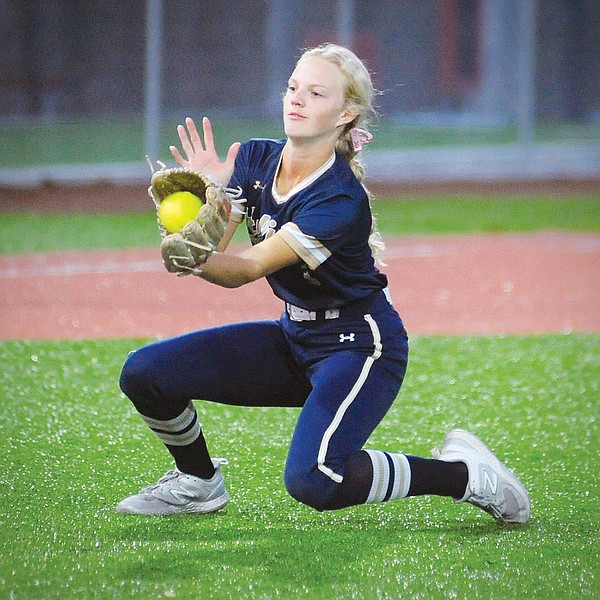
x=182, y=495
x=490, y=480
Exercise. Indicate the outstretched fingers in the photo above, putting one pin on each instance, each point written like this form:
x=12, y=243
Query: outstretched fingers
x=209, y=140
x=177, y=156
x=186, y=136
x=194, y=135
x=232, y=152
x=199, y=152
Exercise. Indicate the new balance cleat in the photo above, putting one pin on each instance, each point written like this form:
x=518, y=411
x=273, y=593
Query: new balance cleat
x=177, y=493
x=492, y=486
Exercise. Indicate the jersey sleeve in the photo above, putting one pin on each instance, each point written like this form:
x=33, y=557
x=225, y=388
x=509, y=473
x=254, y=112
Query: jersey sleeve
x=310, y=250
x=323, y=228
x=239, y=178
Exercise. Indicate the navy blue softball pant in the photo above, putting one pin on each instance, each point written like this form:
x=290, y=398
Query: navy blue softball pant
x=343, y=373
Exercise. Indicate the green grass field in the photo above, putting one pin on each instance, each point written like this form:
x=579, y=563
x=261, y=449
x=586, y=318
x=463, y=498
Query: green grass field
x=72, y=447
x=26, y=232
x=122, y=140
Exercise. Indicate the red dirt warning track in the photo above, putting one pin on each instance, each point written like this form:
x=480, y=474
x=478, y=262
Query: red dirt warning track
x=468, y=284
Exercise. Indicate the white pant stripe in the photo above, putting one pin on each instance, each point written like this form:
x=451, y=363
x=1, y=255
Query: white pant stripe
x=337, y=419
x=341, y=411
x=376, y=336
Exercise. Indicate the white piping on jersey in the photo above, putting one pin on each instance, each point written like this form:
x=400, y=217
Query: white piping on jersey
x=307, y=247
x=348, y=400
x=282, y=198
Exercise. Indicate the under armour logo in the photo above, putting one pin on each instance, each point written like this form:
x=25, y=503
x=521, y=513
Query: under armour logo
x=346, y=338
x=258, y=186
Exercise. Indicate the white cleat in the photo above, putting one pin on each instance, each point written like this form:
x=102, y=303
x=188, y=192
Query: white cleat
x=177, y=493
x=492, y=486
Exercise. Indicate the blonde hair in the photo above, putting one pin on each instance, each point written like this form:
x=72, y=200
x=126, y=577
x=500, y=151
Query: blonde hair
x=359, y=97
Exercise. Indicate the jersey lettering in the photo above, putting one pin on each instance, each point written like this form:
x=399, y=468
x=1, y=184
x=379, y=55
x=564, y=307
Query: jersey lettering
x=327, y=220
x=262, y=229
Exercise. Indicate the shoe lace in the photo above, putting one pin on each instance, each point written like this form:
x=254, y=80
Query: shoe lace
x=168, y=476
x=493, y=505
x=487, y=506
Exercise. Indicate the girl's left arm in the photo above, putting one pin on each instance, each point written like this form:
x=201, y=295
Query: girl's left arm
x=232, y=271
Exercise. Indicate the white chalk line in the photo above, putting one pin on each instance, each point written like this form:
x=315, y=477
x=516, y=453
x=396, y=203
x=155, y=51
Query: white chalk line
x=395, y=250
x=75, y=267
x=81, y=268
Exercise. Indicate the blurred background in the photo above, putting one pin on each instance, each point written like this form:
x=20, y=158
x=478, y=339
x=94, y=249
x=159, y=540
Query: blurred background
x=466, y=85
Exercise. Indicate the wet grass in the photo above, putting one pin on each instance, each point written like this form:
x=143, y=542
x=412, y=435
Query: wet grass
x=29, y=232
x=100, y=140
x=73, y=447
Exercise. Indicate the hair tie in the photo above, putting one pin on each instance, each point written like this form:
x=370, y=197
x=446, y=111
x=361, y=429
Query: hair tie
x=359, y=137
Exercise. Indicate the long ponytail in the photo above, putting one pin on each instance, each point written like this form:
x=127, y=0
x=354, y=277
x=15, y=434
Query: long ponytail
x=345, y=146
x=359, y=95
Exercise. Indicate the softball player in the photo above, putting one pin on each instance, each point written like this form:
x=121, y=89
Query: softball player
x=339, y=350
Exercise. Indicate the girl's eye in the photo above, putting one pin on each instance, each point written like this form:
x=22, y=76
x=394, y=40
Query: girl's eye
x=291, y=88
x=316, y=94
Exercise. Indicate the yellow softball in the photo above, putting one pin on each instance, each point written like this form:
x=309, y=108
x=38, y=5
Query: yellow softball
x=178, y=209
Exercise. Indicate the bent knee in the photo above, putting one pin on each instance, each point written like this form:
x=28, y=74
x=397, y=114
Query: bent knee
x=136, y=380
x=309, y=487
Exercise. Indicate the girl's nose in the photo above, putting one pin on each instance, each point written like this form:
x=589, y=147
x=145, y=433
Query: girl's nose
x=297, y=98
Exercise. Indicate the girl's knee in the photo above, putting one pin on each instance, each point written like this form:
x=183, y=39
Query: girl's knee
x=308, y=487
x=136, y=380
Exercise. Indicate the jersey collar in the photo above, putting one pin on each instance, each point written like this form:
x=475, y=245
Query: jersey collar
x=282, y=198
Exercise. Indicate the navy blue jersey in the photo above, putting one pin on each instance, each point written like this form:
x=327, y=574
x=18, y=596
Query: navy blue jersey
x=326, y=220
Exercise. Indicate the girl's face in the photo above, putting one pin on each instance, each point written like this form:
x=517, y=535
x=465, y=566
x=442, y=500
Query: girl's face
x=313, y=106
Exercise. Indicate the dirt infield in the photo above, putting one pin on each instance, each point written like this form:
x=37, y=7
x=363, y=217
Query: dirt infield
x=473, y=284
x=468, y=284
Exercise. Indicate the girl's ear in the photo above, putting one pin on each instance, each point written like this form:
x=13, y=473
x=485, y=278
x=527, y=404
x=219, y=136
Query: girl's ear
x=346, y=117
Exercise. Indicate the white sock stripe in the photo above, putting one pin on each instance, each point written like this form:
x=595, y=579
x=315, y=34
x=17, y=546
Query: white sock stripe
x=179, y=439
x=381, y=476
x=173, y=425
x=401, y=476
x=397, y=476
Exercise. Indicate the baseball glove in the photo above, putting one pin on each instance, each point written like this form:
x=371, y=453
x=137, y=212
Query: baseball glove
x=185, y=251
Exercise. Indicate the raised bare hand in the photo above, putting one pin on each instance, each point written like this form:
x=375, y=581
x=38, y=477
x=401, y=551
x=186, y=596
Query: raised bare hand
x=201, y=156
